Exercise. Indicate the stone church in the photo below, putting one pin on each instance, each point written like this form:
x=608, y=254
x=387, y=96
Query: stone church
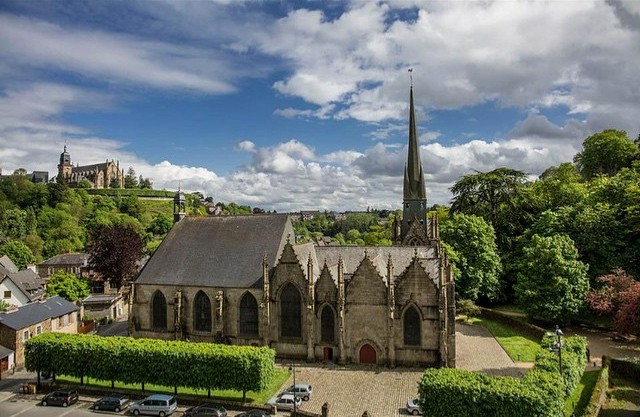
x=102, y=175
x=242, y=280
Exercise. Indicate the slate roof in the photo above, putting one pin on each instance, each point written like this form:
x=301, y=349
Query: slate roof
x=17, y=284
x=28, y=280
x=99, y=299
x=4, y=352
x=36, y=312
x=223, y=251
x=8, y=264
x=67, y=259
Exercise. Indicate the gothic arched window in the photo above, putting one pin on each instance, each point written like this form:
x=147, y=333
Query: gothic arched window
x=411, y=327
x=202, y=312
x=327, y=325
x=159, y=311
x=248, y=315
x=290, y=312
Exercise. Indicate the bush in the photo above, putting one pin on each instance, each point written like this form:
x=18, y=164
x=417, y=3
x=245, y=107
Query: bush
x=541, y=393
x=468, y=308
x=167, y=363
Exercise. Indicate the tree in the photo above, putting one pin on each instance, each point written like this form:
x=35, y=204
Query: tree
x=161, y=224
x=114, y=252
x=477, y=262
x=13, y=223
x=606, y=153
x=4, y=306
x=145, y=183
x=19, y=253
x=559, y=186
x=85, y=184
x=130, y=180
x=551, y=282
x=68, y=286
x=619, y=298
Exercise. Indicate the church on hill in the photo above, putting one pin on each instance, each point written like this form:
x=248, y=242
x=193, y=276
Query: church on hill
x=102, y=175
x=242, y=280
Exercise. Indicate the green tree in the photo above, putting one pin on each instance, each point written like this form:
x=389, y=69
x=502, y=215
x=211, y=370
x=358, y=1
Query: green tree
x=559, y=186
x=4, y=306
x=13, y=223
x=114, y=252
x=477, y=263
x=18, y=252
x=130, y=180
x=68, y=286
x=85, y=184
x=606, y=153
x=161, y=224
x=551, y=282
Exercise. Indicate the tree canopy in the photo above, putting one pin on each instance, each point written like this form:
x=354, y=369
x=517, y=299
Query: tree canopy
x=19, y=253
x=114, y=252
x=68, y=286
x=605, y=153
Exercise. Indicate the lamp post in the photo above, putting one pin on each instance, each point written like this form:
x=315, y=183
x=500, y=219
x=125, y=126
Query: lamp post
x=295, y=407
x=556, y=346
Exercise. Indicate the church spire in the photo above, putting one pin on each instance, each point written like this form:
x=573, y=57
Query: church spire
x=414, y=188
x=415, y=196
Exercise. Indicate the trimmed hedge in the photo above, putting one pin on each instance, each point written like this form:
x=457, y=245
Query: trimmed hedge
x=125, y=192
x=168, y=363
x=628, y=368
x=599, y=393
x=541, y=393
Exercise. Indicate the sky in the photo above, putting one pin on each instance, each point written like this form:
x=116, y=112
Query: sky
x=303, y=105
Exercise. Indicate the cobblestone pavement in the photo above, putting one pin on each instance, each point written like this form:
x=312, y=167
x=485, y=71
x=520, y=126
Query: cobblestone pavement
x=384, y=392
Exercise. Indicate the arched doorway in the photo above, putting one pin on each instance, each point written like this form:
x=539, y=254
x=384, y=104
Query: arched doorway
x=367, y=354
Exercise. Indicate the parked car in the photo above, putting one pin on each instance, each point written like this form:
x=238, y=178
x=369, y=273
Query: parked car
x=285, y=402
x=300, y=390
x=61, y=397
x=412, y=406
x=113, y=402
x=208, y=410
x=157, y=404
x=254, y=413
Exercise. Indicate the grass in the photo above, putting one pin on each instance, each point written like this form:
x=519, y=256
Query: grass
x=579, y=399
x=518, y=346
x=623, y=395
x=261, y=397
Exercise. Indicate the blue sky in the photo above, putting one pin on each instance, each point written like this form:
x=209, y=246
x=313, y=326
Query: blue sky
x=303, y=105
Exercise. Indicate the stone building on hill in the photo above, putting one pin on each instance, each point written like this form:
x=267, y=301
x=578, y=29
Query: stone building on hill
x=242, y=280
x=102, y=175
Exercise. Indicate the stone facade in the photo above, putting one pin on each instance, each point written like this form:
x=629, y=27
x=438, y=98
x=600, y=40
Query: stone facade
x=102, y=175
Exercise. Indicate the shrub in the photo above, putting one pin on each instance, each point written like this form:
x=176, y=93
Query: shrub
x=468, y=308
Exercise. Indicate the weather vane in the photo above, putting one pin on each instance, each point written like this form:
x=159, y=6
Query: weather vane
x=411, y=76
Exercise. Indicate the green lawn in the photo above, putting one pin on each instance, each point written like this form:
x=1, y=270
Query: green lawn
x=623, y=398
x=579, y=399
x=261, y=397
x=517, y=345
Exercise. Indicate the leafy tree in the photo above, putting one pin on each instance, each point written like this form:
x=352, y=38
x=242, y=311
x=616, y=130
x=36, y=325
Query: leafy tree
x=4, y=306
x=114, y=252
x=130, y=180
x=161, y=224
x=477, y=262
x=60, y=230
x=619, y=298
x=68, y=286
x=145, y=183
x=57, y=193
x=606, y=153
x=377, y=236
x=18, y=252
x=36, y=244
x=13, y=223
x=551, y=282
x=559, y=186
x=85, y=184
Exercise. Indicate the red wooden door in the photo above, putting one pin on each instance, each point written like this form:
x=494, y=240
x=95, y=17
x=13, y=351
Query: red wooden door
x=367, y=354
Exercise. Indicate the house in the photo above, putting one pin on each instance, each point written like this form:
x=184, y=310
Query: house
x=73, y=263
x=54, y=314
x=240, y=280
x=18, y=288
x=111, y=306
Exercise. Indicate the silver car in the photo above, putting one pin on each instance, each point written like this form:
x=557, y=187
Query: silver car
x=285, y=402
x=157, y=404
x=413, y=407
x=300, y=391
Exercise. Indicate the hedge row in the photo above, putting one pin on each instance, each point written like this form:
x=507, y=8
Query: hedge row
x=628, y=368
x=168, y=363
x=125, y=192
x=599, y=393
x=541, y=393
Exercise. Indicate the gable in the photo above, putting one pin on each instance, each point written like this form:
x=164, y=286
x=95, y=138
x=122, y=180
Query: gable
x=366, y=286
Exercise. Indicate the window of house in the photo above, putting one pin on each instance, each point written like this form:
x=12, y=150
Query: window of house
x=65, y=320
x=7, y=294
x=411, y=327
x=327, y=325
x=25, y=335
x=159, y=311
x=248, y=315
x=70, y=317
x=202, y=313
x=38, y=329
x=290, y=312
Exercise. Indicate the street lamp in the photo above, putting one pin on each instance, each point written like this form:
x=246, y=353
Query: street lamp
x=556, y=346
x=295, y=407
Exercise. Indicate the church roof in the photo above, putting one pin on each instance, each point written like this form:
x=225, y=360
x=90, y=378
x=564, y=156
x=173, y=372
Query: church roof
x=221, y=251
x=414, y=187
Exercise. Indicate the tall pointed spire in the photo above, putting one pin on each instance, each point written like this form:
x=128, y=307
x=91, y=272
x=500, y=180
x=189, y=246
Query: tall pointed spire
x=414, y=190
x=414, y=187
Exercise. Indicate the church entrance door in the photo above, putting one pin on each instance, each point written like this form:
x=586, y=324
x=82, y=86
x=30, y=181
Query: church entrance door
x=367, y=354
x=327, y=354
